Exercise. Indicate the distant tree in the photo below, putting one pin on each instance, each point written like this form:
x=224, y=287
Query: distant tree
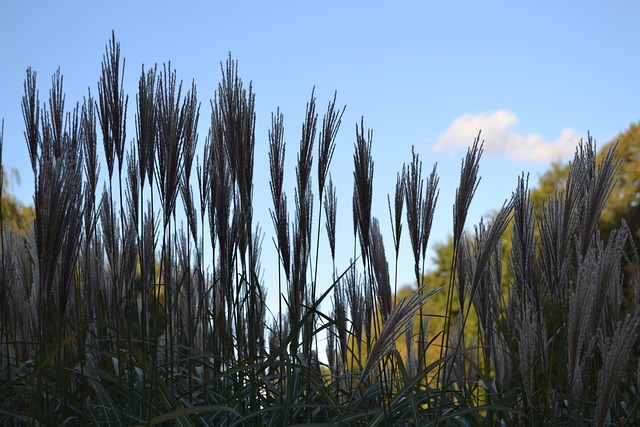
x=554, y=178
x=440, y=276
x=435, y=307
x=624, y=201
x=14, y=213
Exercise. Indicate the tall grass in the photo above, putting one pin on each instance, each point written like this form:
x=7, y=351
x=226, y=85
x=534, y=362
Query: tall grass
x=110, y=313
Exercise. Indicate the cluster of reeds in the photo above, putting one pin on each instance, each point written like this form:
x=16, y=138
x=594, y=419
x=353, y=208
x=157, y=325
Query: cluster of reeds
x=111, y=313
x=550, y=330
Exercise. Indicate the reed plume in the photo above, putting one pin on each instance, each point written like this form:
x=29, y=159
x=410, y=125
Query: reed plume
x=112, y=105
x=363, y=187
x=330, y=207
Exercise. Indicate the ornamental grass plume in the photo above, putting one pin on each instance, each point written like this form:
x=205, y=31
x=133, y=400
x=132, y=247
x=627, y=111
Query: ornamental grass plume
x=363, y=187
x=380, y=270
x=608, y=290
x=170, y=154
x=330, y=207
x=395, y=218
x=279, y=214
x=420, y=212
x=31, y=116
x=615, y=351
x=428, y=209
x=326, y=147
x=414, y=185
x=190, y=208
x=485, y=252
x=525, y=297
x=399, y=320
x=91, y=164
x=599, y=180
x=528, y=342
x=121, y=313
x=469, y=181
x=337, y=335
x=112, y=105
x=523, y=243
x=132, y=191
x=236, y=109
x=300, y=288
x=58, y=223
x=598, y=274
x=558, y=221
x=146, y=123
x=327, y=142
x=356, y=299
x=480, y=278
x=191, y=111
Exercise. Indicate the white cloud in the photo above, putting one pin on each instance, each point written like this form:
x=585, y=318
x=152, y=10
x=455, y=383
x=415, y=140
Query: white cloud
x=500, y=139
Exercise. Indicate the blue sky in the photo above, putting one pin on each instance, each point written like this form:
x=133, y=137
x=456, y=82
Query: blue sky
x=534, y=76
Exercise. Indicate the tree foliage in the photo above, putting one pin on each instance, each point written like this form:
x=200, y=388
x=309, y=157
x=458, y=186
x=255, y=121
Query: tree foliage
x=14, y=213
x=624, y=201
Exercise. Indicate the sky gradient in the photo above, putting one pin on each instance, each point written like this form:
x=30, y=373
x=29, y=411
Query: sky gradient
x=534, y=77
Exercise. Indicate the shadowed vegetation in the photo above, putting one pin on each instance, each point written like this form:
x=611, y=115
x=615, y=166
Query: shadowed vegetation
x=111, y=314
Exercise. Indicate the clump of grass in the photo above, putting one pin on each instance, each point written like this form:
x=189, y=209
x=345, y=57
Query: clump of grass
x=111, y=314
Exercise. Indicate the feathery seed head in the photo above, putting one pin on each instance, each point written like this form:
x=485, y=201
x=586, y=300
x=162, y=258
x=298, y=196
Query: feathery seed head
x=363, y=186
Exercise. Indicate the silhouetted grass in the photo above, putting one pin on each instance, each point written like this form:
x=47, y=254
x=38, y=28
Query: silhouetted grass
x=109, y=314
